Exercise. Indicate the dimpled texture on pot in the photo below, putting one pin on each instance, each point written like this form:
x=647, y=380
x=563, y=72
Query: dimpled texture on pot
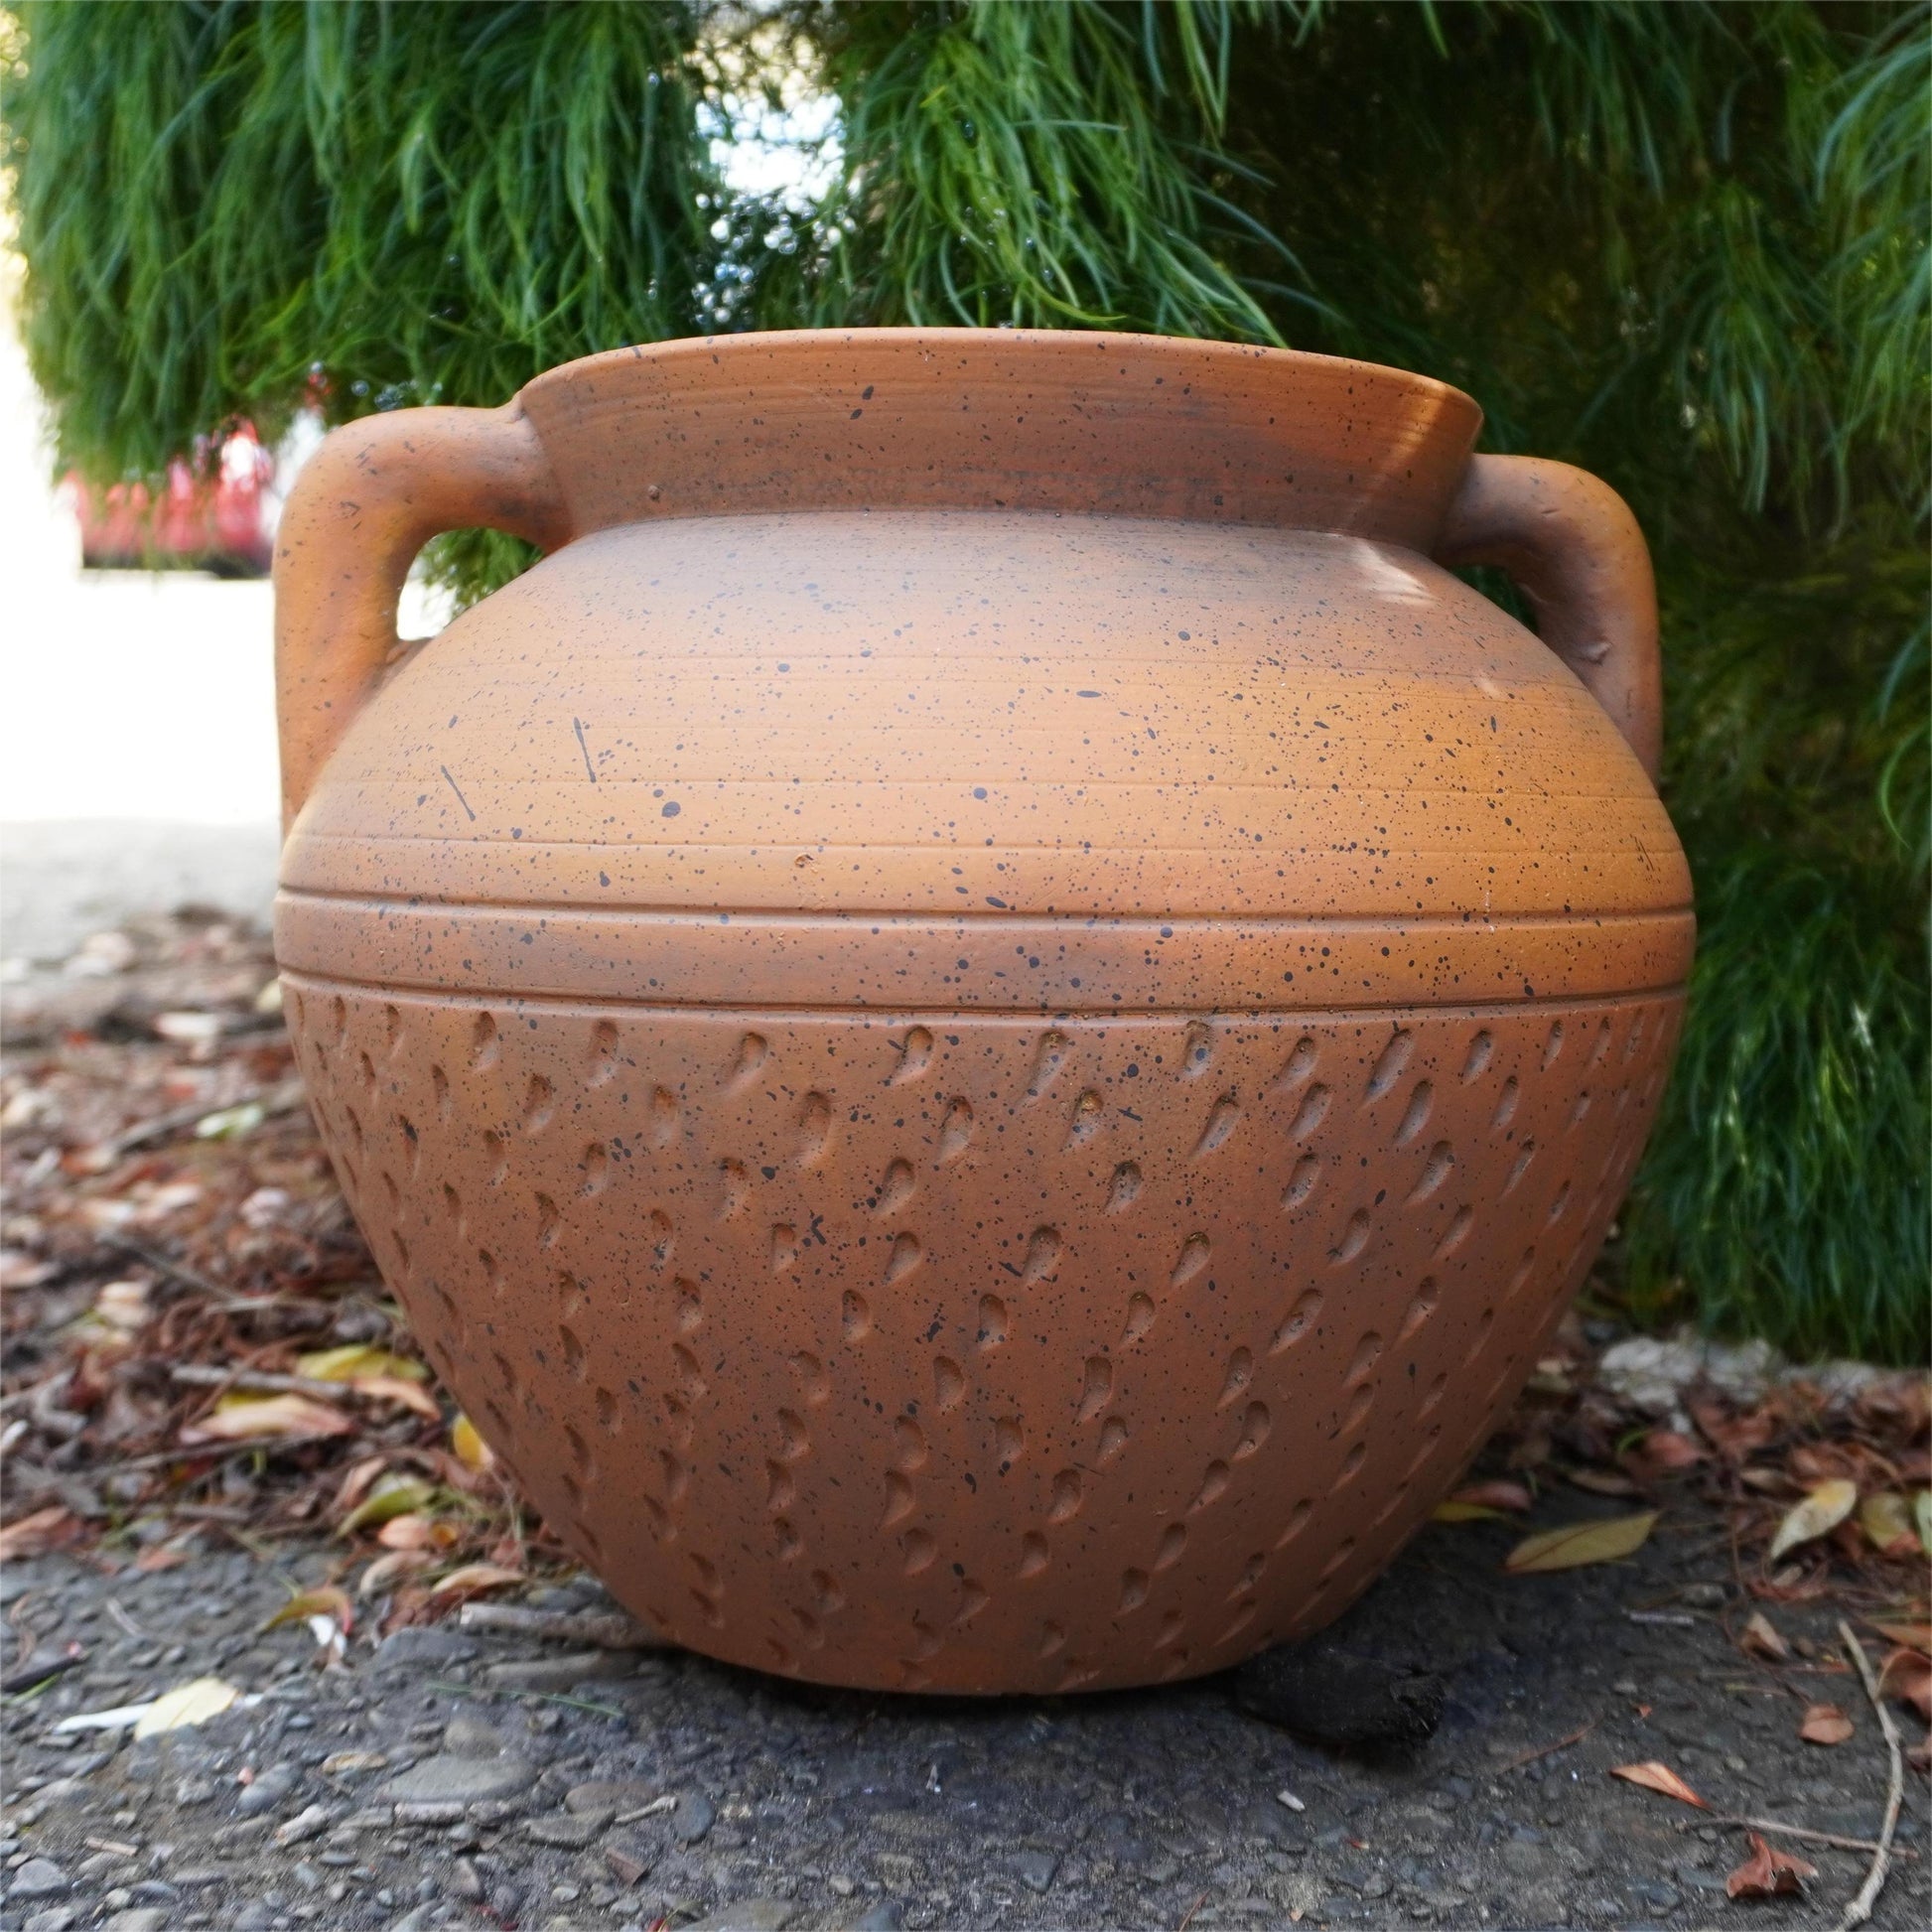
x=981, y=1094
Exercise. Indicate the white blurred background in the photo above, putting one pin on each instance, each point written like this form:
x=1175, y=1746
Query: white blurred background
x=137, y=712
x=137, y=708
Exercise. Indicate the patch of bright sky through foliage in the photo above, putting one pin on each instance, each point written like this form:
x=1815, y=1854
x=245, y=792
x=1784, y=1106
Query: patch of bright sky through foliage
x=788, y=153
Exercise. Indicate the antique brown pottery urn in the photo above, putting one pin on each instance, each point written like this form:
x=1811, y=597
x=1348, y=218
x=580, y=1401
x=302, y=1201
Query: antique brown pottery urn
x=985, y=1023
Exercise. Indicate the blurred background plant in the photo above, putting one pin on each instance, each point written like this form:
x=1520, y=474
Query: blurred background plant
x=1684, y=246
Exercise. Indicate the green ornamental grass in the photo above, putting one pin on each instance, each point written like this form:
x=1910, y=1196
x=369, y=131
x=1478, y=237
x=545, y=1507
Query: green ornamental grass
x=1684, y=246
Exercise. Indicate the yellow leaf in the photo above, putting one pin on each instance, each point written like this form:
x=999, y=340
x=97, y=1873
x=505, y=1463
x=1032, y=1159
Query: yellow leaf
x=1658, y=1778
x=394, y=1495
x=1455, y=1512
x=355, y=1359
x=326, y=1602
x=1922, y=1516
x=1821, y=1512
x=1887, y=1522
x=194, y=1702
x=471, y=1448
x=240, y=1416
x=393, y=1388
x=1601, y=1540
x=477, y=1576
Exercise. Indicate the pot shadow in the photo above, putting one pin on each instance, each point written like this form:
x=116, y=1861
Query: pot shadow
x=1442, y=1643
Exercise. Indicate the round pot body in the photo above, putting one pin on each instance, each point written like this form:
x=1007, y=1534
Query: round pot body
x=985, y=1025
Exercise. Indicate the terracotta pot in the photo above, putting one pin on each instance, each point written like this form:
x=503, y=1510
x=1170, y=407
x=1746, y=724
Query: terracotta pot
x=985, y=1025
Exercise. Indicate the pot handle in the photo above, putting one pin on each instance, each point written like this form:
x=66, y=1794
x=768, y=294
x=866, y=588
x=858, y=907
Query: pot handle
x=1577, y=554
x=368, y=501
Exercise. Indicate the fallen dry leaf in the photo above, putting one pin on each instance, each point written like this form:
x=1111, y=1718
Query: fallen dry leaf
x=408, y=1531
x=1762, y=1639
x=325, y=1600
x=392, y=1569
x=1814, y=1462
x=355, y=1484
x=353, y=1360
x=1768, y=1872
x=475, y=1577
x=395, y=1387
x=1734, y=1437
x=241, y=1417
x=18, y=1269
x=1494, y=1495
x=124, y=1304
x=1603, y=1540
x=1825, y=1724
x=1888, y=1524
x=471, y=1448
x=192, y=1703
x=1668, y=1449
x=1912, y=1636
x=29, y=1536
x=1658, y=1778
x=1821, y=1512
x=394, y=1495
x=1907, y=1676
x=1454, y=1511
x=1604, y=1483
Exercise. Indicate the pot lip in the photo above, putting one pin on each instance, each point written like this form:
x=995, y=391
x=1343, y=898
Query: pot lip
x=1047, y=347
x=1061, y=420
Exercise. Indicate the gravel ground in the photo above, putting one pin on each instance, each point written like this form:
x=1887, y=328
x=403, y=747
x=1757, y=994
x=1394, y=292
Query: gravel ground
x=450, y=1777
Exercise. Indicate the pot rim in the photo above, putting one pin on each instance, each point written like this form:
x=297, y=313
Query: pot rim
x=1072, y=421
x=1048, y=343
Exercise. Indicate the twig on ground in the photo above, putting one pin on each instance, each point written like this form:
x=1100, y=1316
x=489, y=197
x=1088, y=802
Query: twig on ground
x=490, y=1694
x=1861, y=1906
x=21, y=1397
x=226, y=1451
x=1547, y=1750
x=261, y=1381
x=605, y=1629
x=178, y=1271
x=273, y=1101
x=225, y=1301
x=161, y=1125
x=1836, y=1838
x=127, y=1623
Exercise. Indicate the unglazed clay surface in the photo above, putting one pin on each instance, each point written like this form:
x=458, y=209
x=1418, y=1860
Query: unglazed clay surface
x=985, y=1024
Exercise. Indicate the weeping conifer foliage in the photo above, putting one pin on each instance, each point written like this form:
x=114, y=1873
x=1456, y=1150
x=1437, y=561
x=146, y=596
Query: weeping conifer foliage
x=1684, y=246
